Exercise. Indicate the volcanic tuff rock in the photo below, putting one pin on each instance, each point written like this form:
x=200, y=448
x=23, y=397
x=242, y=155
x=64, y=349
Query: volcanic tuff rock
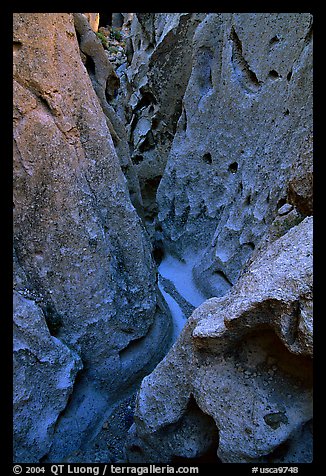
x=209, y=141
x=77, y=236
x=106, y=84
x=159, y=52
x=44, y=374
x=242, y=147
x=93, y=20
x=242, y=366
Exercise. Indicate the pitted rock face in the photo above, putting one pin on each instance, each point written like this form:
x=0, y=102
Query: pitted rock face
x=245, y=359
x=242, y=145
x=77, y=235
x=196, y=156
x=154, y=83
x=44, y=375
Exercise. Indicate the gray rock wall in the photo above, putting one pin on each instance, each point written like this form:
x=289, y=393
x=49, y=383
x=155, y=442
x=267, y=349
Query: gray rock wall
x=44, y=374
x=236, y=199
x=77, y=236
x=209, y=146
x=154, y=83
x=243, y=136
x=242, y=368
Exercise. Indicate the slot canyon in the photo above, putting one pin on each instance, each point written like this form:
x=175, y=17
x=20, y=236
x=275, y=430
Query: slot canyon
x=163, y=237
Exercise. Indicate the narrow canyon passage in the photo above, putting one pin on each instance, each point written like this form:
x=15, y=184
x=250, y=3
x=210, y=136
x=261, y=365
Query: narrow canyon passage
x=163, y=237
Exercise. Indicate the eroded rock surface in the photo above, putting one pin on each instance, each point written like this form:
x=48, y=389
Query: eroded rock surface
x=243, y=143
x=44, y=374
x=204, y=137
x=154, y=83
x=245, y=359
x=77, y=235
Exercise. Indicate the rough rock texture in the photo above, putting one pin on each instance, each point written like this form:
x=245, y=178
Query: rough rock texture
x=93, y=20
x=159, y=53
x=242, y=362
x=106, y=83
x=243, y=143
x=204, y=136
x=44, y=374
x=77, y=236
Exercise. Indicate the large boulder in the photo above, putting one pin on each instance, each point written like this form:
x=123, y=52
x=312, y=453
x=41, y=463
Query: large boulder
x=77, y=235
x=241, y=369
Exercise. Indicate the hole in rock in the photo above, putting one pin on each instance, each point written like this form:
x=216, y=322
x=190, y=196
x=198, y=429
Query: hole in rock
x=281, y=202
x=150, y=47
x=274, y=40
x=233, y=168
x=275, y=419
x=286, y=112
x=262, y=350
x=223, y=276
x=158, y=227
x=52, y=318
x=146, y=100
x=273, y=74
x=196, y=427
x=289, y=75
x=248, y=200
x=207, y=158
x=125, y=169
x=45, y=103
x=17, y=45
x=246, y=77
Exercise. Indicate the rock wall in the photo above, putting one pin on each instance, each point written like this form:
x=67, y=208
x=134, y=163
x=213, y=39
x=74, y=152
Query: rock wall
x=90, y=277
x=244, y=135
x=159, y=52
x=196, y=154
x=235, y=204
x=44, y=374
x=241, y=369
